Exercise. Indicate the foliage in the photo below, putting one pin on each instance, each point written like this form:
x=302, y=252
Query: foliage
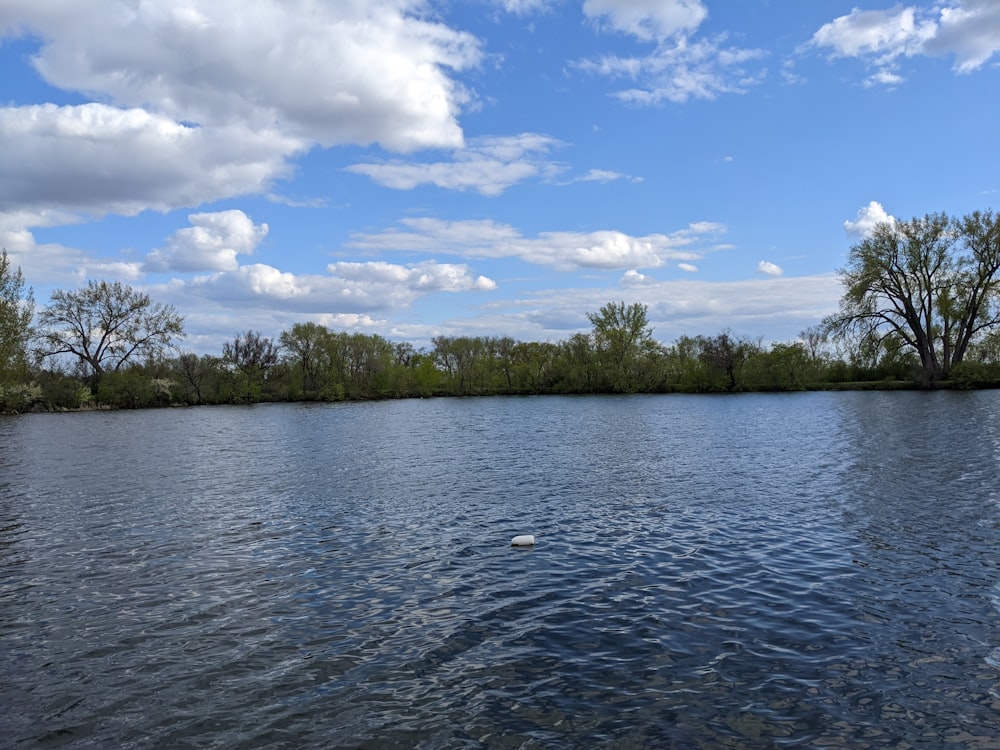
x=252, y=358
x=106, y=325
x=17, y=307
x=20, y=397
x=926, y=285
x=624, y=344
x=109, y=327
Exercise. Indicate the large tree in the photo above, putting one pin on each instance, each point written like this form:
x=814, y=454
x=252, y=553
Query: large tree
x=17, y=308
x=929, y=284
x=105, y=325
x=304, y=347
x=623, y=340
x=253, y=356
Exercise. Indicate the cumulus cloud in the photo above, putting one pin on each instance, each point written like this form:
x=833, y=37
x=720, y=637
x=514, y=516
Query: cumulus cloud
x=211, y=243
x=769, y=269
x=348, y=288
x=602, y=249
x=881, y=34
x=97, y=159
x=328, y=73
x=968, y=30
x=189, y=107
x=633, y=278
x=868, y=217
x=487, y=165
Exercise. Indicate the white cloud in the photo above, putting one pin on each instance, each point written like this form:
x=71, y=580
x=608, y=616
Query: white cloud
x=97, y=159
x=522, y=7
x=52, y=264
x=428, y=276
x=354, y=71
x=211, y=243
x=679, y=67
x=190, y=107
x=683, y=70
x=648, y=20
x=688, y=267
x=868, y=217
x=605, y=249
x=883, y=78
x=348, y=288
x=882, y=34
x=487, y=165
x=969, y=30
x=777, y=307
x=633, y=278
x=605, y=175
x=769, y=269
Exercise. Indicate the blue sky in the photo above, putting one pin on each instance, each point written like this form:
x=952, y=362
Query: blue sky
x=490, y=167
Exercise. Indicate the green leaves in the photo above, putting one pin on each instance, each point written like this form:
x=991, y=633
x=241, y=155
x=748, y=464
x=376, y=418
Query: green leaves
x=17, y=307
x=930, y=283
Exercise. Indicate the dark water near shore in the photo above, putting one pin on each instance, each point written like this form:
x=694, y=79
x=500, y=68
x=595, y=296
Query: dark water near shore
x=809, y=570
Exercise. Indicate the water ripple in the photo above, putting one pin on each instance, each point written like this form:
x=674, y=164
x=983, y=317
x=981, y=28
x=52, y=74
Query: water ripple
x=709, y=572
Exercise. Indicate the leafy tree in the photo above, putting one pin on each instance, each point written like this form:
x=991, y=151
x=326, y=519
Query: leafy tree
x=132, y=388
x=17, y=307
x=785, y=367
x=684, y=369
x=928, y=284
x=575, y=367
x=460, y=357
x=197, y=376
x=623, y=339
x=304, y=345
x=106, y=325
x=368, y=358
x=725, y=356
x=533, y=364
x=252, y=356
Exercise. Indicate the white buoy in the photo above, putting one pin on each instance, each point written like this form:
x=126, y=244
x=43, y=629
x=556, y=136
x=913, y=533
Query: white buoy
x=524, y=540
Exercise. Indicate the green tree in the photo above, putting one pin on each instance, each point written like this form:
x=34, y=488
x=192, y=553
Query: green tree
x=17, y=308
x=304, y=347
x=575, y=367
x=199, y=378
x=623, y=340
x=368, y=359
x=461, y=357
x=533, y=365
x=106, y=325
x=930, y=284
x=252, y=356
x=785, y=367
x=725, y=356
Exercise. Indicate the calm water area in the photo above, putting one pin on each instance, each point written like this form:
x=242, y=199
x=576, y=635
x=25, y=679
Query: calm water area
x=815, y=570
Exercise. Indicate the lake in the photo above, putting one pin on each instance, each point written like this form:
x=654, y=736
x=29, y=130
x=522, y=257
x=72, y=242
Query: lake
x=815, y=570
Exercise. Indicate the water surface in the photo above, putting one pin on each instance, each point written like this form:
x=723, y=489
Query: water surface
x=807, y=570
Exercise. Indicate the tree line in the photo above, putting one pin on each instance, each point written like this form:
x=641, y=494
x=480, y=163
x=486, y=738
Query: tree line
x=920, y=307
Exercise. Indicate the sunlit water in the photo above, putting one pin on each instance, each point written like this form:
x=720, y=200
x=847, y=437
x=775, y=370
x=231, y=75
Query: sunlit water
x=809, y=570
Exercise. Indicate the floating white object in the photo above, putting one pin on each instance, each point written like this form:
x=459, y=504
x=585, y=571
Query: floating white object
x=524, y=540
